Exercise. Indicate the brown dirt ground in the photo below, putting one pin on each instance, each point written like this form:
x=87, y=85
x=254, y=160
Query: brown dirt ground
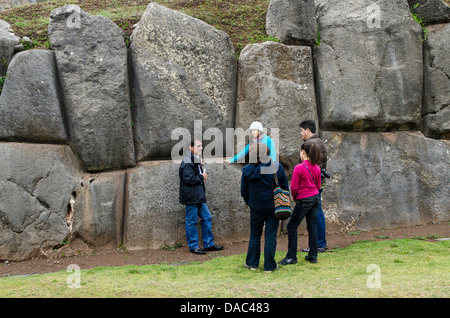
x=182, y=254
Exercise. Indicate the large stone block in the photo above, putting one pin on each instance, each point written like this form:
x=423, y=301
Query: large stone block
x=292, y=21
x=182, y=70
x=91, y=57
x=37, y=183
x=386, y=180
x=276, y=87
x=8, y=42
x=369, y=66
x=155, y=218
x=29, y=103
x=98, y=210
x=436, y=103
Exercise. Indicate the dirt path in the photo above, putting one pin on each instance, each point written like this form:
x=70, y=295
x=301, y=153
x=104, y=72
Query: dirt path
x=182, y=255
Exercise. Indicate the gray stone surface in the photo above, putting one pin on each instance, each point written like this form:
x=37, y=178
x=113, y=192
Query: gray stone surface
x=292, y=21
x=91, y=57
x=29, y=103
x=98, y=210
x=182, y=70
x=276, y=87
x=386, y=180
x=8, y=4
x=436, y=103
x=155, y=218
x=8, y=42
x=36, y=185
x=369, y=66
x=231, y=216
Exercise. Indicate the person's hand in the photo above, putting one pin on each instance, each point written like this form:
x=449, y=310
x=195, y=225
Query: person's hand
x=205, y=176
x=226, y=161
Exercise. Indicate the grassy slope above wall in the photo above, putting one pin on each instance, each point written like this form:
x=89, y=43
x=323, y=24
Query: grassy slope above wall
x=242, y=20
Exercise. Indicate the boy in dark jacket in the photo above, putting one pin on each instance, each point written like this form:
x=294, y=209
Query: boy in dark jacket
x=192, y=194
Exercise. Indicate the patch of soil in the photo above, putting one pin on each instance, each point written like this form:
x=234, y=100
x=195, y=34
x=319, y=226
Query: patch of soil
x=183, y=256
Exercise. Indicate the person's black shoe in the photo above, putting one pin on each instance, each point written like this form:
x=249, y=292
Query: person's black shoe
x=198, y=250
x=311, y=259
x=287, y=261
x=320, y=249
x=214, y=248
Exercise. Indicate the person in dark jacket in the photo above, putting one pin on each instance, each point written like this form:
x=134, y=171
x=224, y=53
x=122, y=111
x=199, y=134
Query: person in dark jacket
x=192, y=194
x=257, y=190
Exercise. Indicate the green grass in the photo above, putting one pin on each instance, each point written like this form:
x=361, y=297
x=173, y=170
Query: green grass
x=2, y=81
x=408, y=268
x=420, y=22
x=242, y=20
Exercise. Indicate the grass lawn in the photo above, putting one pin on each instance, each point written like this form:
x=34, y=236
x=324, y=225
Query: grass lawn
x=403, y=268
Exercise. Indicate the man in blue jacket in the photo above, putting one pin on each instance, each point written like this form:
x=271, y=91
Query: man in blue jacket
x=192, y=194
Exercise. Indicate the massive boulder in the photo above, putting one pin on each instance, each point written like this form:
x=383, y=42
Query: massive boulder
x=8, y=43
x=369, y=66
x=386, y=180
x=37, y=183
x=276, y=87
x=91, y=57
x=292, y=21
x=182, y=70
x=29, y=103
x=436, y=104
x=154, y=217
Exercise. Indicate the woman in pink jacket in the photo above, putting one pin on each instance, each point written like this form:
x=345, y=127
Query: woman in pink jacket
x=305, y=186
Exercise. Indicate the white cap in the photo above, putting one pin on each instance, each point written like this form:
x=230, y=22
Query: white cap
x=256, y=125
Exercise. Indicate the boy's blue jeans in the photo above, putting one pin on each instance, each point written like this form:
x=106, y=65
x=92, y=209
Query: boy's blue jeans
x=192, y=213
x=321, y=231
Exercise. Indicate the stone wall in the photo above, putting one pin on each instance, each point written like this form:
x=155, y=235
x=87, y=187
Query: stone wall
x=86, y=127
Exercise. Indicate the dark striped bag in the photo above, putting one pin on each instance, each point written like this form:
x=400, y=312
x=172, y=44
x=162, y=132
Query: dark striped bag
x=282, y=200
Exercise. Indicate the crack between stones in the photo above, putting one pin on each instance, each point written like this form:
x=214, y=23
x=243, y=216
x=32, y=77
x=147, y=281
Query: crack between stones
x=444, y=106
